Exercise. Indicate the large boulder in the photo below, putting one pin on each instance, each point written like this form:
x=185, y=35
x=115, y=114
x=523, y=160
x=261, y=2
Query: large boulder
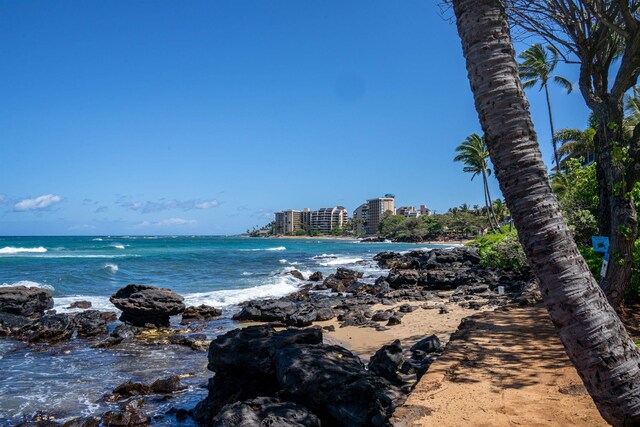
x=24, y=301
x=332, y=382
x=249, y=351
x=49, y=329
x=387, y=362
x=265, y=411
x=142, y=304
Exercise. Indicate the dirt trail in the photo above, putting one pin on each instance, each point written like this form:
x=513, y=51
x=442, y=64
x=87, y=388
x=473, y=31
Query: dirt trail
x=504, y=368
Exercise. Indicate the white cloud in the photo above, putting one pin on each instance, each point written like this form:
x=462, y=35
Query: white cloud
x=41, y=202
x=168, y=222
x=207, y=205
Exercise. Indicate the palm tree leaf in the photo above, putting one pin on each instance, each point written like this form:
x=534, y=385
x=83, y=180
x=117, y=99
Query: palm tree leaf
x=564, y=83
x=529, y=83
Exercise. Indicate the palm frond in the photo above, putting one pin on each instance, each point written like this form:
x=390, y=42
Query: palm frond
x=564, y=83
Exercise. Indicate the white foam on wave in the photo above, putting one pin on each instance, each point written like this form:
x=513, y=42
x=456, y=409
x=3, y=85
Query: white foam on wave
x=280, y=286
x=28, y=284
x=110, y=267
x=277, y=248
x=84, y=256
x=246, y=273
x=283, y=261
x=328, y=262
x=10, y=250
x=60, y=304
x=118, y=246
x=97, y=239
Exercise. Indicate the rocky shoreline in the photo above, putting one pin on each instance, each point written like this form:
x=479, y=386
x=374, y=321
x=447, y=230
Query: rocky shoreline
x=276, y=372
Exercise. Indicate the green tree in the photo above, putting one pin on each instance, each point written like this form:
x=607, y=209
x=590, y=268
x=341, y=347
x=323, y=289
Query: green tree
x=594, y=337
x=474, y=155
x=537, y=66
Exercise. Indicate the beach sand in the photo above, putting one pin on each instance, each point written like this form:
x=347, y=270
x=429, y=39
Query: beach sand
x=419, y=324
x=508, y=368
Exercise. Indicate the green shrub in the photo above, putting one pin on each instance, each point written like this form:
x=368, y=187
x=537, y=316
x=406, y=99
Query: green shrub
x=502, y=251
x=593, y=259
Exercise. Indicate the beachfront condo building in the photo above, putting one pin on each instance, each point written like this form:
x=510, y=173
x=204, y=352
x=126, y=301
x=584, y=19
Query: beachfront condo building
x=408, y=211
x=288, y=222
x=377, y=208
x=325, y=220
x=424, y=210
x=360, y=216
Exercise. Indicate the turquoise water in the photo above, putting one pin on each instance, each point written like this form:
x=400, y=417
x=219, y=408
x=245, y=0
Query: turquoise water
x=68, y=379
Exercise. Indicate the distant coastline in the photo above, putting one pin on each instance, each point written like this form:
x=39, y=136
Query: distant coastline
x=426, y=242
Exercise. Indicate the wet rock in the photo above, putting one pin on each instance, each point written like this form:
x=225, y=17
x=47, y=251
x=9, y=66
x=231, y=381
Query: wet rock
x=297, y=274
x=11, y=324
x=197, y=342
x=49, y=329
x=387, y=362
x=167, y=385
x=201, y=313
x=80, y=304
x=274, y=310
x=130, y=414
x=132, y=389
x=265, y=411
x=125, y=331
x=109, y=316
x=83, y=422
x=315, y=277
x=427, y=345
x=23, y=301
x=142, y=304
x=90, y=323
x=329, y=328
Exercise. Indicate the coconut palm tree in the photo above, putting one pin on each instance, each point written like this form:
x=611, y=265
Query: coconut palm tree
x=537, y=66
x=575, y=143
x=475, y=157
x=594, y=337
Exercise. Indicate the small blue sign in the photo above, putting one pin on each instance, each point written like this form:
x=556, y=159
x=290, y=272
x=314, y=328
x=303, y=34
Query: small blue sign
x=600, y=244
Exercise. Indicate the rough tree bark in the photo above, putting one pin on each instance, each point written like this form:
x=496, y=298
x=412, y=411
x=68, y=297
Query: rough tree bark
x=593, y=335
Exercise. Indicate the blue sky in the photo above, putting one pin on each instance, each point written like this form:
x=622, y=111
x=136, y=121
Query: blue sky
x=205, y=117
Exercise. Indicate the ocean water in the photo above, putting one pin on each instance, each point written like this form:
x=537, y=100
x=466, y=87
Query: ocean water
x=68, y=379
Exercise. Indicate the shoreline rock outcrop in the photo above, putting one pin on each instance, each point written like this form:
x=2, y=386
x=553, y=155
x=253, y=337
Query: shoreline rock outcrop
x=143, y=304
x=24, y=301
x=327, y=382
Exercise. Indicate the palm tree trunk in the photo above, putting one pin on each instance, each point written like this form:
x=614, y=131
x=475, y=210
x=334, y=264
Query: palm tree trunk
x=553, y=132
x=593, y=336
x=486, y=202
x=491, y=211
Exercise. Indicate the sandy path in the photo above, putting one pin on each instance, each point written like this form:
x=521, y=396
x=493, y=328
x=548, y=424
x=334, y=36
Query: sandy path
x=507, y=369
x=415, y=326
